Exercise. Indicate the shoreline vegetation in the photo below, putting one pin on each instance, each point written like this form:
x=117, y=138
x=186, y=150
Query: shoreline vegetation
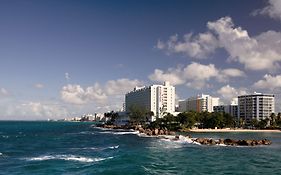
x=192, y=122
x=235, y=130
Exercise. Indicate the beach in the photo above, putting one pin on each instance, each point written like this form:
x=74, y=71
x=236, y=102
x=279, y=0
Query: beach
x=235, y=130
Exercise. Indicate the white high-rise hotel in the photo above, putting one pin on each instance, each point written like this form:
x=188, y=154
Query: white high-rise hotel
x=159, y=99
x=256, y=106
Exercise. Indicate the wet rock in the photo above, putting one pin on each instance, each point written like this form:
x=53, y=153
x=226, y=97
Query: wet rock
x=141, y=130
x=161, y=132
x=172, y=133
x=155, y=132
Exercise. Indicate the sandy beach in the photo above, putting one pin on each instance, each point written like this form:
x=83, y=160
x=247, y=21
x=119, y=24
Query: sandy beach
x=233, y=130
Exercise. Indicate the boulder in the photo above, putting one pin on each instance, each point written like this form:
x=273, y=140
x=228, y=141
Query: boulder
x=161, y=132
x=266, y=142
x=148, y=132
x=141, y=130
x=212, y=142
x=172, y=133
x=220, y=141
x=230, y=142
x=156, y=131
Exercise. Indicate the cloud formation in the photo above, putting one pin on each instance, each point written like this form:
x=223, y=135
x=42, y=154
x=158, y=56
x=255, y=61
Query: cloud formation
x=269, y=82
x=195, y=46
x=39, y=86
x=66, y=76
x=3, y=92
x=273, y=10
x=76, y=94
x=195, y=75
x=261, y=52
x=228, y=93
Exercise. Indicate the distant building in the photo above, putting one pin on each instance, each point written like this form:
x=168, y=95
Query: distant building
x=159, y=99
x=230, y=109
x=199, y=104
x=256, y=106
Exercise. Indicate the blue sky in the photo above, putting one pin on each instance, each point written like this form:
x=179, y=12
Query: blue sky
x=65, y=58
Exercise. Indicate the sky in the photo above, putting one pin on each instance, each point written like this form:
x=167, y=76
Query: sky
x=60, y=59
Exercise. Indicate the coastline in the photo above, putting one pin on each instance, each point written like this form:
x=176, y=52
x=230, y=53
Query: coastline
x=234, y=130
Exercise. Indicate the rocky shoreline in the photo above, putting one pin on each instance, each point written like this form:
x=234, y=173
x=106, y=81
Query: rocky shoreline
x=202, y=141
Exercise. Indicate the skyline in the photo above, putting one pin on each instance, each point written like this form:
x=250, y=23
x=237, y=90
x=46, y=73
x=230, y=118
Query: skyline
x=67, y=58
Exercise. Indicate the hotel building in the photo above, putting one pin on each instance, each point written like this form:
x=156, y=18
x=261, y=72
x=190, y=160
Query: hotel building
x=159, y=99
x=199, y=104
x=256, y=106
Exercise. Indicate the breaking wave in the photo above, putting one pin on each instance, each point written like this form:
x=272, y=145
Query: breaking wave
x=68, y=158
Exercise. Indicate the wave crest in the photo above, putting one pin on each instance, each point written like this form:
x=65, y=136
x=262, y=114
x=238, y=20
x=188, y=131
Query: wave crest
x=68, y=158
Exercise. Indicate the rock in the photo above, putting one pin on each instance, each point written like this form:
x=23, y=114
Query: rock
x=266, y=142
x=172, y=133
x=148, y=132
x=161, y=132
x=212, y=142
x=141, y=130
x=156, y=131
x=220, y=141
x=176, y=137
x=230, y=142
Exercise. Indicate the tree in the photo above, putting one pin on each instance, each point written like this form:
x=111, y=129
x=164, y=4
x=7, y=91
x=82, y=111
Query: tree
x=137, y=114
x=273, y=119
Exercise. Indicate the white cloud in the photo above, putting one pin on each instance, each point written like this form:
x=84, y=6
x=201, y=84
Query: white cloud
x=66, y=76
x=199, y=46
x=121, y=86
x=228, y=93
x=255, y=53
x=3, y=92
x=37, y=109
x=195, y=75
x=269, y=82
x=39, y=86
x=113, y=89
x=273, y=9
x=225, y=74
x=174, y=76
x=75, y=94
x=198, y=74
x=261, y=52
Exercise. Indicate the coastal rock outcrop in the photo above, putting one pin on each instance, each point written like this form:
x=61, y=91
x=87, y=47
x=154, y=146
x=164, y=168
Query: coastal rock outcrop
x=231, y=142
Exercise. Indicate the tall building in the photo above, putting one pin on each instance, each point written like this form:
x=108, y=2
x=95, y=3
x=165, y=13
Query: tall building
x=199, y=104
x=256, y=106
x=156, y=98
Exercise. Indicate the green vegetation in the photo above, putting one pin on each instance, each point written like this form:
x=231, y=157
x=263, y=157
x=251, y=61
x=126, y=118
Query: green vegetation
x=188, y=120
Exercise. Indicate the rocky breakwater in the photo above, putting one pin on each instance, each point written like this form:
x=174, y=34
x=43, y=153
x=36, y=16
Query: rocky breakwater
x=231, y=142
x=154, y=132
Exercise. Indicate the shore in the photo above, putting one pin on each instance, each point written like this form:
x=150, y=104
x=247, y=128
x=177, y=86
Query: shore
x=234, y=130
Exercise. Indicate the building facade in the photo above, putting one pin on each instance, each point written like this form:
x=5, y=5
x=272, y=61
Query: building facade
x=199, y=104
x=230, y=109
x=256, y=106
x=159, y=99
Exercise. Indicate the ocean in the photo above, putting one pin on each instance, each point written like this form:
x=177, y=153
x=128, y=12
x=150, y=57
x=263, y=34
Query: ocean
x=78, y=148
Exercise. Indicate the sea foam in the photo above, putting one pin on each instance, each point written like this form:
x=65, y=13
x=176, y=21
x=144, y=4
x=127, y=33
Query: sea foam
x=68, y=158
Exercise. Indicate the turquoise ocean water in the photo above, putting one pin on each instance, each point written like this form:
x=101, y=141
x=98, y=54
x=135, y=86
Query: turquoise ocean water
x=78, y=148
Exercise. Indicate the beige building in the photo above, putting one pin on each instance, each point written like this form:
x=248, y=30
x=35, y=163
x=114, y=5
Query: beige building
x=199, y=104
